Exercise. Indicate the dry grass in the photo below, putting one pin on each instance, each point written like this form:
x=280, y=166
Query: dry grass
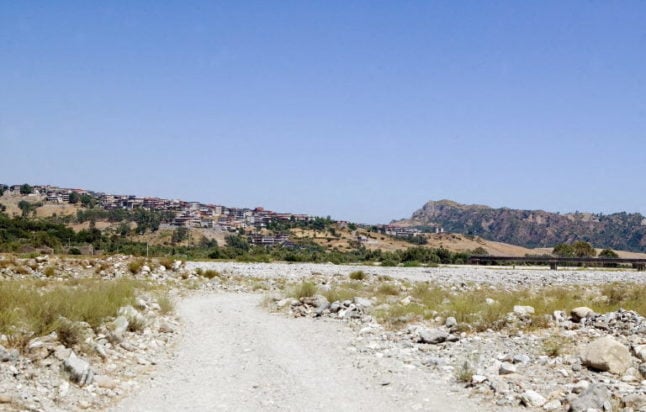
x=166, y=262
x=358, y=275
x=209, y=274
x=304, y=290
x=556, y=346
x=36, y=307
x=49, y=271
x=464, y=373
x=482, y=308
x=21, y=270
x=70, y=333
x=136, y=323
x=166, y=304
x=135, y=266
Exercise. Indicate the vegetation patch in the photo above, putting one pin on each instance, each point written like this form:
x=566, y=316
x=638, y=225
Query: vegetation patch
x=36, y=308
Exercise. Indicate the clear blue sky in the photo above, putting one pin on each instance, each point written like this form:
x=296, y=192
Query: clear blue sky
x=358, y=110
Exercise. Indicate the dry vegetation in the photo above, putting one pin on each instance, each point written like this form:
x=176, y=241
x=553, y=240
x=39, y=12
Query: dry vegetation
x=39, y=307
x=476, y=308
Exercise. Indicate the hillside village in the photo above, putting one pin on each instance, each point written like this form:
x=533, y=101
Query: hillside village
x=198, y=215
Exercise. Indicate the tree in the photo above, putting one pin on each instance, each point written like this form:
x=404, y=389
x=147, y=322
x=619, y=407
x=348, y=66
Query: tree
x=74, y=198
x=27, y=207
x=3, y=188
x=179, y=234
x=583, y=249
x=25, y=189
x=608, y=254
x=563, y=250
x=237, y=242
x=87, y=200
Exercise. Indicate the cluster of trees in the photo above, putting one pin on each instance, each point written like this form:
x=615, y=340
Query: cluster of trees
x=146, y=220
x=576, y=249
x=85, y=200
x=317, y=223
x=582, y=249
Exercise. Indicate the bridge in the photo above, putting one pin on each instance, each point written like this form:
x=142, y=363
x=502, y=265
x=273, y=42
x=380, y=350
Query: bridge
x=554, y=262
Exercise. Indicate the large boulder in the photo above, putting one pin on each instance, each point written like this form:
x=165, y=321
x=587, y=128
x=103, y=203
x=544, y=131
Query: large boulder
x=606, y=354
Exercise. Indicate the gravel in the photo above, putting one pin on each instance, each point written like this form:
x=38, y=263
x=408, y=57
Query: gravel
x=509, y=276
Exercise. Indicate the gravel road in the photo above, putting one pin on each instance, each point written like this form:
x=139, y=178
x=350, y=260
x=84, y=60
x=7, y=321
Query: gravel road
x=236, y=356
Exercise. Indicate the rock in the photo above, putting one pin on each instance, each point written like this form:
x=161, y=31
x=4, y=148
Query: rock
x=580, y=386
x=521, y=359
x=141, y=304
x=128, y=312
x=640, y=352
x=635, y=401
x=106, y=382
x=79, y=370
x=533, y=399
x=490, y=301
x=61, y=352
x=119, y=326
x=478, y=379
x=335, y=306
x=285, y=302
x=145, y=269
x=581, y=312
x=506, y=369
x=523, y=310
x=8, y=356
x=433, y=337
x=451, y=322
x=642, y=370
x=5, y=399
x=552, y=405
x=165, y=327
x=606, y=354
x=362, y=302
x=595, y=397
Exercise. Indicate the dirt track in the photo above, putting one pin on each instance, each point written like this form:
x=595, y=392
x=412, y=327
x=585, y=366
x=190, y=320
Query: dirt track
x=237, y=356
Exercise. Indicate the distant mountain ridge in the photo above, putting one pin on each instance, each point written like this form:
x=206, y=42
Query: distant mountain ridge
x=534, y=228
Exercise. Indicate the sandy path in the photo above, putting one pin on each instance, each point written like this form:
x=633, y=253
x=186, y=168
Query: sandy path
x=235, y=356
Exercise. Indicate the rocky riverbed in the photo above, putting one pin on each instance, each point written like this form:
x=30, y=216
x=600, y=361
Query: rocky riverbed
x=569, y=359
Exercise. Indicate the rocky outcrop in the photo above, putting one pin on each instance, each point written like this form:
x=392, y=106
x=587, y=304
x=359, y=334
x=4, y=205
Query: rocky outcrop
x=534, y=228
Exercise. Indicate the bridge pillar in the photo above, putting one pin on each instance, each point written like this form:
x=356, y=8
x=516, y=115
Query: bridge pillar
x=553, y=265
x=639, y=266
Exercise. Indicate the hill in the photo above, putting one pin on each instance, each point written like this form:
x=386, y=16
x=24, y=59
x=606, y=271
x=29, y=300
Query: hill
x=534, y=228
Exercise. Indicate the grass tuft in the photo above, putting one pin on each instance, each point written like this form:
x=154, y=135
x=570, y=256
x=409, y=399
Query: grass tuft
x=135, y=266
x=358, y=275
x=304, y=290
